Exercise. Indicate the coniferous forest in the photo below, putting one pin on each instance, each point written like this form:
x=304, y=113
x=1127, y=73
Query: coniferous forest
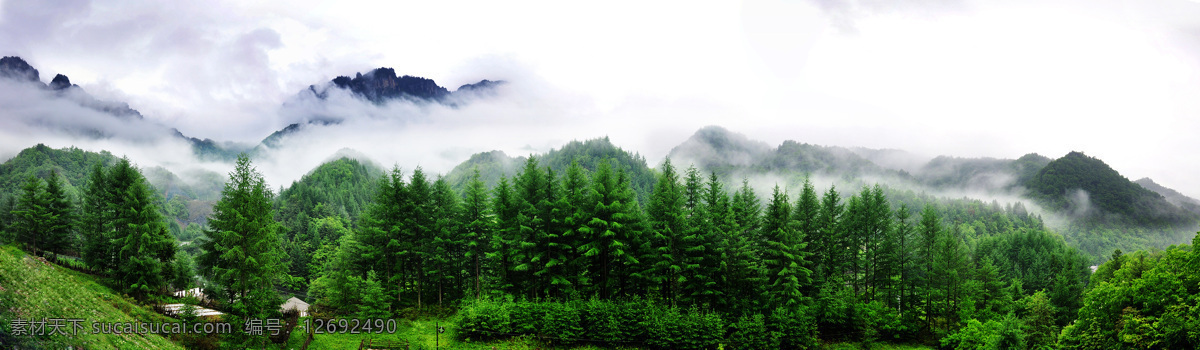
x=573, y=257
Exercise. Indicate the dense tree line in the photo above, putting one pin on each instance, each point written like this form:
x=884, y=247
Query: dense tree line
x=575, y=245
x=860, y=267
x=1143, y=300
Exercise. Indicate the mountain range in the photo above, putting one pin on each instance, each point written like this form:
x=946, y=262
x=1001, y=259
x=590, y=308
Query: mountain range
x=1083, y=189
x=378, y=86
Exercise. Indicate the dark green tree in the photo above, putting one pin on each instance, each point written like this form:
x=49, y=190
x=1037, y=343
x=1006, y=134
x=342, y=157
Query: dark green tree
x=447, y=253
x=699, y=243
x=577, y=205
x=783, y=254
x=506, y=243
x=60, y=229
x=418, y=222
x=32, y=214
x=805, y=214
x=834, y=246
x=609, y=244
x=96, y=225
x=476, y=218
x=242, y=253
x=667, y=221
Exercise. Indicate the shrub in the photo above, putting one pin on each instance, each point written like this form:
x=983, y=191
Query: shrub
x=750, y=332
x=486, y=319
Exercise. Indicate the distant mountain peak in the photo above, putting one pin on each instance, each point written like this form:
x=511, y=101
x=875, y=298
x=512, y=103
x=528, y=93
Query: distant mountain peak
x=382, y=84
x=15, y=68
x=482, y=85
x=60, y=82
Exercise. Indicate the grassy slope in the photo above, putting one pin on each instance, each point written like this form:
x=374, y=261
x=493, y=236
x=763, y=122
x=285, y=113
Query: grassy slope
x=33, y=289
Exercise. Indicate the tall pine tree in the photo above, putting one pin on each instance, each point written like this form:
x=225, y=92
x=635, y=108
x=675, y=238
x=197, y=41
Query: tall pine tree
x=242, y=253
x=667, y=220
x=476, y=219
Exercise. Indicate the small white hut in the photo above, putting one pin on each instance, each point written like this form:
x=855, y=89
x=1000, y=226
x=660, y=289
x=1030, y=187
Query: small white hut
x=295, y=304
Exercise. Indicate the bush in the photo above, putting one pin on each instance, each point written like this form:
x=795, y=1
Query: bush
x=636, y=322
x=485, y=319
x=795, y=328
x=612, y=322
x=670, y=328
x=1004, y=334
x=750, y=332
x=562, y=322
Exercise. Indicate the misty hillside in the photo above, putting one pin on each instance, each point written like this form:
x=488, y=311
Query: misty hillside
x=121, y=118
x=719, y=150
x=340, y=187
x=16, y=69
x=496, y=164
x=186, y=201
x=379, y=86
x=1086, y=186
x=1077, y=186
x=71, y=164
x=1172, y=196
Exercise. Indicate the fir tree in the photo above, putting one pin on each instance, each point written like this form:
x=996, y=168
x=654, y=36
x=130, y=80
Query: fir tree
x=783, y=254
x=242, y=250
x=60, y=229
x=477, y=227
x=577, y=204
x=96, y=226
x=506, y=251
x=667, y=224
x=32, y=215
x=447, y=253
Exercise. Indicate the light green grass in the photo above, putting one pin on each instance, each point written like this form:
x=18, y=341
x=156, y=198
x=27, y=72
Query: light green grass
x=33, y=289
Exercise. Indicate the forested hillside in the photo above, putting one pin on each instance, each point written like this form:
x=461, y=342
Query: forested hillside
x=576, y=257
x=318, y=209
x=495, y=164
x=72, y=164
x=188, y=202
x=1076, y=183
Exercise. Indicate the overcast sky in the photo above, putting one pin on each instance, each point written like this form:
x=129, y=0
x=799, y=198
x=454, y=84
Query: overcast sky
x=1117, y=80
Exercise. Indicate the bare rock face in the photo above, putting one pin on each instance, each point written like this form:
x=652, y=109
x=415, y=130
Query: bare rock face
x=15, y=68
x=60, y=82
x=382, y=84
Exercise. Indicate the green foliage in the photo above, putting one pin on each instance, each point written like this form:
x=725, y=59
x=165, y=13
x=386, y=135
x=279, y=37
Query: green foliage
x=750, y=332
x=674, y=328
x=32, y=215
x=40, y=161
x=478, y=231
x=589, y=154
x=145, y=248
x=1004, y=334
x=794, y=327
x=609, y=323
x=1117, y=199
x=322, y=206
x=666, y=224
x=31, y=289
x=1148, y=302
x=242, y=250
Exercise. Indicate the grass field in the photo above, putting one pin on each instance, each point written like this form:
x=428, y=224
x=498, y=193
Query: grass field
x=32, y=289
